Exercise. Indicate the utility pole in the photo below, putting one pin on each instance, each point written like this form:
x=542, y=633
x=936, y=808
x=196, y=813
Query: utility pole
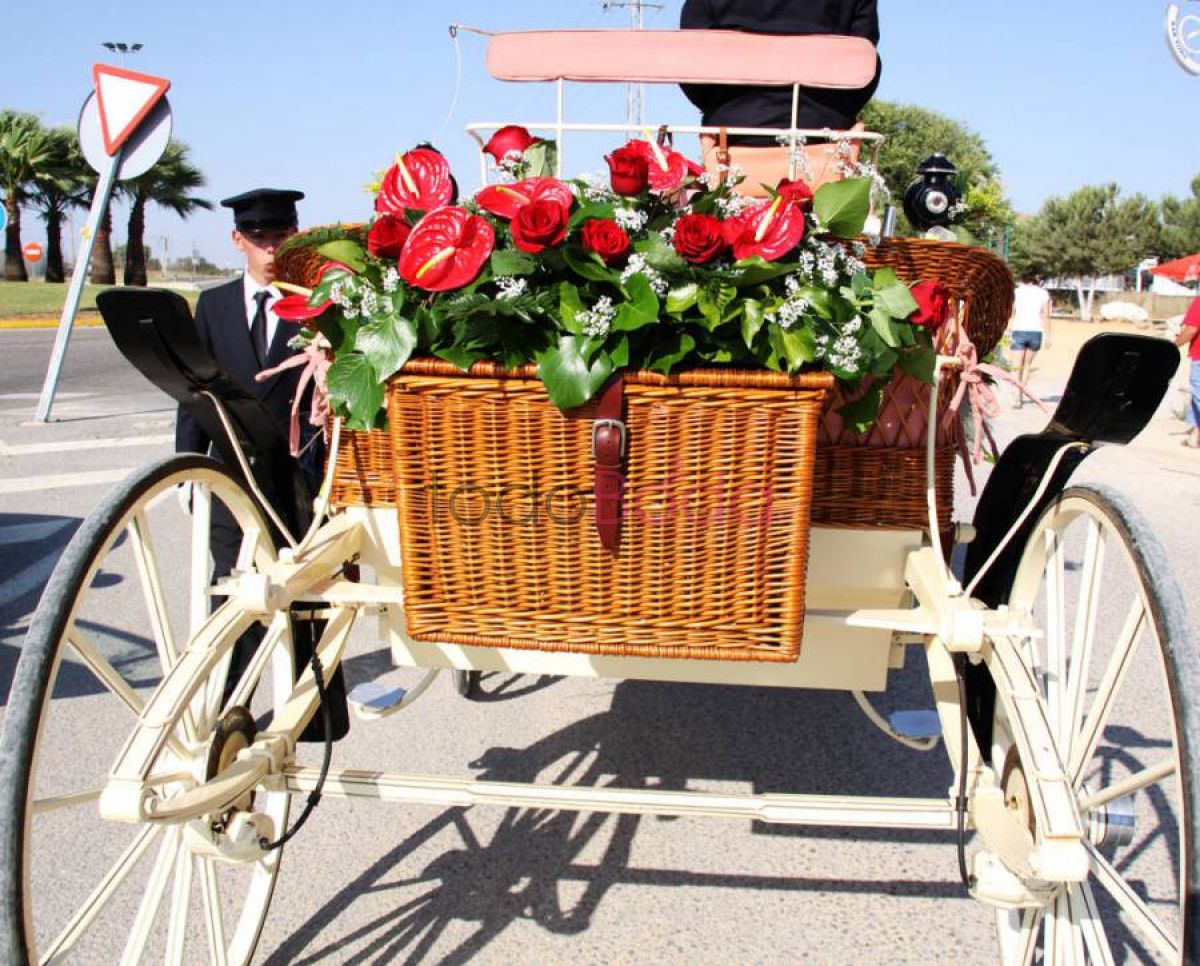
x=166, y=256
x=634, y=113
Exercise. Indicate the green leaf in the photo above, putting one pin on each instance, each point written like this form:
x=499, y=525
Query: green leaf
x=540, y=159
x=589, y=265
x=354, y=384
x=660, y=255
x=568, y=379
x=842, y=206
x=896, y=300
x=919, y=363
x=797, y=345
x=386, y=343
x=884, y=327
x=512, y=261
x=620, y=355
x=682, y=297
x=640, y=309
x=755, y=270
x=671, y=351
x=885, y=277
x=861, y=413
x=752, y=320
x=462, y=356
x=595, y=209
x=349, y=253
x=860, y=283
x=569, y=306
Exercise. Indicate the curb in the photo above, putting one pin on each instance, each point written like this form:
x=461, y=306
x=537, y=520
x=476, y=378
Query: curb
x=47, y=323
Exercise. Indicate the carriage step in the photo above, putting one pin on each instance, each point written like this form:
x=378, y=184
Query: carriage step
x=374, y=699
x=916, y=724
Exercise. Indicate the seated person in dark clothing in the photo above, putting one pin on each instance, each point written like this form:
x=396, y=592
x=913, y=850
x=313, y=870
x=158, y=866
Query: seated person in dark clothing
x=726, y=106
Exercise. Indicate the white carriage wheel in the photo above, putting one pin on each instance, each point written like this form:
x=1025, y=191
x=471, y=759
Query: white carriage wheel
x=1120, y=676
x=126, y=596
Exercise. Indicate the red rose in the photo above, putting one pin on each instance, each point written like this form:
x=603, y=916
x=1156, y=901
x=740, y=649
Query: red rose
x=606, y=238
x=511, y=139
x=387, y=236
x=628, y=170
x=769, y=229
x=419, y=179
x=797, y=192
x=933, y=304
x=539, y=224
x=698, y=238
x=446, y=250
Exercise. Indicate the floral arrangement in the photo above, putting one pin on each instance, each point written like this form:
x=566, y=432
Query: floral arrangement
x=656, y=267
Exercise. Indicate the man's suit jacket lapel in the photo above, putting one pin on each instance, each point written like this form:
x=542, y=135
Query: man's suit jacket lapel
x=234, y=344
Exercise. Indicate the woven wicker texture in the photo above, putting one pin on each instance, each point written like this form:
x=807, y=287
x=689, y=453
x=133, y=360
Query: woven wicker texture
x=298, y=260
x=494, y=489
x=977, y=277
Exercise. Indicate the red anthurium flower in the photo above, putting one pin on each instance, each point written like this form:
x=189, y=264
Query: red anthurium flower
x=933, y=304
x=540, y=225
x=798, y=192
x=504, y=200
x=666, y=169
x=387, y=236
x=511, y=139
x=769, y=230
x=446, y=250
x=419, y=179
x=295, y=308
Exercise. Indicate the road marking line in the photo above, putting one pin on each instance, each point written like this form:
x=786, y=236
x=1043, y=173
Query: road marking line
x=69, y=445
x=29, y=579
x=29, y=484
x=32, y=532
x=34, y=395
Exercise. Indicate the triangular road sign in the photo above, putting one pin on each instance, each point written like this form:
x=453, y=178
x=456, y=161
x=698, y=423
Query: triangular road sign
x=124, y=99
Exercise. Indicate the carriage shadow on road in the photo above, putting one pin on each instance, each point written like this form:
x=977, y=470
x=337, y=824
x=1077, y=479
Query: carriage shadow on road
x=532, y=865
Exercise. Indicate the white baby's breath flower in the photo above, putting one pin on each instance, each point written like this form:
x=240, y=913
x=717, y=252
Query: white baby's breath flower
x=511, y=286
x=637, y=265
x=391, y=280
x=597, y=320
x=630, y=219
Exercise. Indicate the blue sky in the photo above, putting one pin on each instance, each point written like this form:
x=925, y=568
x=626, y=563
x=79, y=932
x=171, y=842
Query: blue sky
x=318, y=96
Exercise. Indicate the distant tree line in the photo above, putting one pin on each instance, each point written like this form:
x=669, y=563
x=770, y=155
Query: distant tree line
x=42, y=169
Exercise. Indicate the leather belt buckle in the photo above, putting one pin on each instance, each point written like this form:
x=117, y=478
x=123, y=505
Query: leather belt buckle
x=618, y=425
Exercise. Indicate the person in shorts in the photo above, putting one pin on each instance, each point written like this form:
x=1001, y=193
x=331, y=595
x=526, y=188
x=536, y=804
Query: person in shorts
x=1029, y=327
x=1189, y=335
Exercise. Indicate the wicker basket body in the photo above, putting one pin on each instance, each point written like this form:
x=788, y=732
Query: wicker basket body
x=494, y=488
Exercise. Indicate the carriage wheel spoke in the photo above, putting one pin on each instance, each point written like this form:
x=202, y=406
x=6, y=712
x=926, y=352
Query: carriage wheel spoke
x=213, y=917
x=95, y=902
x=1114, y=675
x=180, y=900
x=1056, y=631
x=1140, y=916
x=1018, y=950
x=200, y=567
x=151, y=898
x=1068, y=936
x=156, y=605
x=253, y=673
x=1084, y=912
x=1082, y=639
x=111, y=679
x=1130, y=784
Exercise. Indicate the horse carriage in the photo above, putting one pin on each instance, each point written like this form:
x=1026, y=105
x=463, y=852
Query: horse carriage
x=1059, y=656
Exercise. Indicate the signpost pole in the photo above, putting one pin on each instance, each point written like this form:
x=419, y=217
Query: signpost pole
x=104, y=188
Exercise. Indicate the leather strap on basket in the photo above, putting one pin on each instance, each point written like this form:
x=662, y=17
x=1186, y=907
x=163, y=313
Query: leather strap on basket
x=608, y=449
x=722, y=155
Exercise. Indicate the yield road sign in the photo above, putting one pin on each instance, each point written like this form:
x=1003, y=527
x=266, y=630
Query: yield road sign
x=33, y=251
x=124, y=99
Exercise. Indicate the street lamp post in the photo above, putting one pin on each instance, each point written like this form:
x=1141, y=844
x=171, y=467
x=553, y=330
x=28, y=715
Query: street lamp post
x=122, y=48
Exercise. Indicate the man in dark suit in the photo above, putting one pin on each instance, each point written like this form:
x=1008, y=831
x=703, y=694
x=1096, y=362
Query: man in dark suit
x=237, y=324
x=727, y=106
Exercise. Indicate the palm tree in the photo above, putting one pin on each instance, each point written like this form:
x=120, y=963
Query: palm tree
x=25, y=150
x=169, y=185
x=63, y=186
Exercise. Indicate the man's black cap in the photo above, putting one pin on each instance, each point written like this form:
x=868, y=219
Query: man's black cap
x=264, y=208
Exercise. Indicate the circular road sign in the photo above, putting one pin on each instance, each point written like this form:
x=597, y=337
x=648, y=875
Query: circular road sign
x=33, y=251
x=141, y=152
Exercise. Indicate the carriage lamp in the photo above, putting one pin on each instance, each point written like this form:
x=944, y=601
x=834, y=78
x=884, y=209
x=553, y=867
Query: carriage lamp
x=930, y=200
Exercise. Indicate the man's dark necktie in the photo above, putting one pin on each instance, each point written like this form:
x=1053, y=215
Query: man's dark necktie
x=258, y=328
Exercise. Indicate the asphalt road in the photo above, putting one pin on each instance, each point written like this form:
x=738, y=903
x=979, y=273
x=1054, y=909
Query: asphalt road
x=387, y=883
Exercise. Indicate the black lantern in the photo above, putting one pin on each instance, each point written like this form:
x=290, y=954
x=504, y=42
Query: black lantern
x=929, y=200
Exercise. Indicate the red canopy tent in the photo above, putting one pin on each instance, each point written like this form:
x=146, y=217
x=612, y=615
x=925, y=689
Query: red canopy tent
x=1186, y=269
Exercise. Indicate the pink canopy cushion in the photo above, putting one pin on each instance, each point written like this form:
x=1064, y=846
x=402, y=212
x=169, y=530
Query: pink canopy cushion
x=682, y=57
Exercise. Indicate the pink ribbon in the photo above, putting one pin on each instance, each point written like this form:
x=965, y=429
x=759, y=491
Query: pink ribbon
x=316, y=361
x=984, y=404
